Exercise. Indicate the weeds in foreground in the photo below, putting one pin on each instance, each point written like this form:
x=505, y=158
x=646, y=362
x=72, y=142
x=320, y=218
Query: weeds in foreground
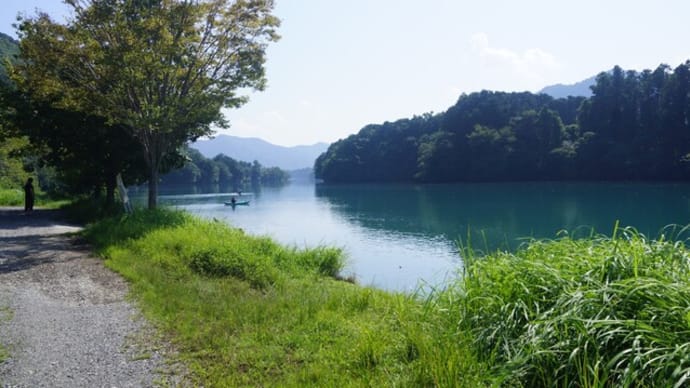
x=5, y=315
x=583, y=313
x=242, y=310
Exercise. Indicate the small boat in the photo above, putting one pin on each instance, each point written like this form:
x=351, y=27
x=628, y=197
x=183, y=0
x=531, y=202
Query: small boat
x=237, y=203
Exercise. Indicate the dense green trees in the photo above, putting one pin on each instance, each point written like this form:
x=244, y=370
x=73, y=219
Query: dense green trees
x=635, y=126
x=160, y=70
x=14, y=158
x=122, y=86
x=86, y=152
x=386, y=152
x=224, y=172
x=8, y=50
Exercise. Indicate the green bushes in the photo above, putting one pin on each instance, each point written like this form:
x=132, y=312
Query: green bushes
x=120, y=227
x=593, y=312
x=15, y=197
x=213, y=249
x=11, y=197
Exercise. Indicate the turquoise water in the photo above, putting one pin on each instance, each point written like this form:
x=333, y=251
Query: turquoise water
x=398, y=237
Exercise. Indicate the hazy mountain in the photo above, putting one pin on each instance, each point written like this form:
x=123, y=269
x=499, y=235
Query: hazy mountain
x=269, y=155
x=578, y=89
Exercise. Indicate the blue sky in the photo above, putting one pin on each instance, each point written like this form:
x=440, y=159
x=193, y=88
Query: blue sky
x=343, y=64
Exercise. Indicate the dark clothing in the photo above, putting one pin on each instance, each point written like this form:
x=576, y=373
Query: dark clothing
x=28, y=196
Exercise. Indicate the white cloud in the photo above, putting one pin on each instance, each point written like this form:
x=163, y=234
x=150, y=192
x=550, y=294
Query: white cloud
x=529, y=69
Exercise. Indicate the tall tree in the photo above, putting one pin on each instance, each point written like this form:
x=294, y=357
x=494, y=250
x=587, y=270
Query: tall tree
x=86, y=152
x=163, y=69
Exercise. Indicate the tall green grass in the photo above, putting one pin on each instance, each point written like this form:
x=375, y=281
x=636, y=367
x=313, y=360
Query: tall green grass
x=579, y=312
x=245, y=311
x=15, y=197
x=11, y=197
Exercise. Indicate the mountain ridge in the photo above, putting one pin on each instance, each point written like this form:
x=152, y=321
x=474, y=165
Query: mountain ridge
x=249, y=149
x=577, y=89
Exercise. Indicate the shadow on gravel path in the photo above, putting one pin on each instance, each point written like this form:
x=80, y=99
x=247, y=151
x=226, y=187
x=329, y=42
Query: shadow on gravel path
x=14, y=223
x=70, y=324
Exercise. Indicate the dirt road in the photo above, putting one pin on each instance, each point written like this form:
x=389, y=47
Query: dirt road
x=64, y=318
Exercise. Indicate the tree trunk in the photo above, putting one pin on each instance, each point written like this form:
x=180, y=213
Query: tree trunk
x=153, y=187
x=153, y=158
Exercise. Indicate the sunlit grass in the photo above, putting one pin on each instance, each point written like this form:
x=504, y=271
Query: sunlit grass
x=11, y=197
x=580, y=312
x=245, y=311
x=15, y=197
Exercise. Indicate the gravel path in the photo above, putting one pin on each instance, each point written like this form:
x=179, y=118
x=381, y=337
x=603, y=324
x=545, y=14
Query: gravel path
x=64, y=318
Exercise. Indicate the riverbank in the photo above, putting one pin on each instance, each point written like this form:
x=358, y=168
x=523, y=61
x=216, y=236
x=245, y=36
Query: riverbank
x=243, y=310
x=246, y=311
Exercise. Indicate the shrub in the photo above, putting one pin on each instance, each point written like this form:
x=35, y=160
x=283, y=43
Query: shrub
x=11, y=197
x=210, y=248
x=257, y=270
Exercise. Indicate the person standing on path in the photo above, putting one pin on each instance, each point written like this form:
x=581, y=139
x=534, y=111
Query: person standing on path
x=29, y=195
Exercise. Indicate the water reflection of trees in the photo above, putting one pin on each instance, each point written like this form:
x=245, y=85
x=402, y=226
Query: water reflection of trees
x=498, y=215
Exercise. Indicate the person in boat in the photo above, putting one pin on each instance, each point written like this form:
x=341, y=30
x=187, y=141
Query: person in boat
x=233, y=201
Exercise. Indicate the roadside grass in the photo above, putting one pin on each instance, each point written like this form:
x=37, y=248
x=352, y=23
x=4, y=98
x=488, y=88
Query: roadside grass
x=5, y=315
x=3, y=354
x=11, y=197
x=15, y=197
x=245, y=311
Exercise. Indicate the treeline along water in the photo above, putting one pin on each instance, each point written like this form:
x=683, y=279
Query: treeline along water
x=635, y=126
x=500, y=215
x=397, y=235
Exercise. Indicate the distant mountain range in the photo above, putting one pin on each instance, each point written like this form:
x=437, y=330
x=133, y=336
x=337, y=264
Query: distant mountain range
x=301, y=157
x=269, y=155
x=578, y=89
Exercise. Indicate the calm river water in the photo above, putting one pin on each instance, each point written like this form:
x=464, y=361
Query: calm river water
x=398, y=237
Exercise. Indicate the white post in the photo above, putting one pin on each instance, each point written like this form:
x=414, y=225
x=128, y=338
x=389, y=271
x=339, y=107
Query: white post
x=123, y=194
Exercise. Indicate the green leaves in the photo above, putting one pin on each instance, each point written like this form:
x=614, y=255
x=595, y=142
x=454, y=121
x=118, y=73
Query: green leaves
x=163, y=69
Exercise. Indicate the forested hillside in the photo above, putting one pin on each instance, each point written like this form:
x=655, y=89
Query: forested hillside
x=635, y=126
x=250, y=149
x=223, y=171
x=9, y=48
